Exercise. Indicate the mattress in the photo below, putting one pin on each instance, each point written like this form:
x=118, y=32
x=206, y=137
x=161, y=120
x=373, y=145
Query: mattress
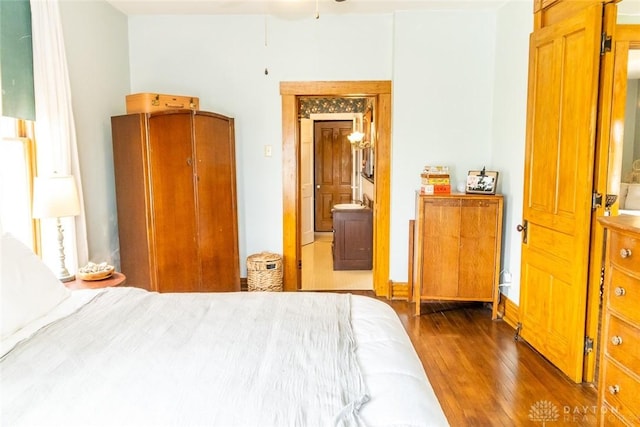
x=380, y=383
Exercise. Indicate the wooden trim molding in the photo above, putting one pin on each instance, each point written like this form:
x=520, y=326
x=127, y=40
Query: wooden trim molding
x=400, y=291
x=381, y=92
x=508, y=311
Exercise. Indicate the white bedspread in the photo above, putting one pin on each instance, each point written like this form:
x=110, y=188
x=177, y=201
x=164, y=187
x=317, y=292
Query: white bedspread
x=130, y=357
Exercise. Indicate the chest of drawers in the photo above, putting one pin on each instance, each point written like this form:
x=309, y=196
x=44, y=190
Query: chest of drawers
x=619, y=374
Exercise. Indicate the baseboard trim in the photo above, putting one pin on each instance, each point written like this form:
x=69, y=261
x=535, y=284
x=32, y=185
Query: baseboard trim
x=509, y=311
x=400, y=291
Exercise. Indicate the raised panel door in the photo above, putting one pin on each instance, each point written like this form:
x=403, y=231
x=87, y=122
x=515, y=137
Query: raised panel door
x=559, y=160
x=172, y=198
x=332, y=170
x=215, y=178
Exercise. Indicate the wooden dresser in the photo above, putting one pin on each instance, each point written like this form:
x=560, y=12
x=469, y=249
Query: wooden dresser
x=619, y=372
x=457, y=244
x=175, y=175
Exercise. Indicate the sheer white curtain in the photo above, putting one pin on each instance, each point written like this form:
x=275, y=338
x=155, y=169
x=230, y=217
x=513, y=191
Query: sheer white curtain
x=57, y=150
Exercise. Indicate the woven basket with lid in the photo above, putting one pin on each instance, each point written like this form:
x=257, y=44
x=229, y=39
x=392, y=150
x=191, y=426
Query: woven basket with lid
x=264, y=272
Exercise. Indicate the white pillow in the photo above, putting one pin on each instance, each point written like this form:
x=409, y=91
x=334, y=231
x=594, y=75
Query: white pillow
x=28, y=288
x=633, y=197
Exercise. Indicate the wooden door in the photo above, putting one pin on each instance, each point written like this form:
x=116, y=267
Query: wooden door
x=173, y=219
x=559, y=161
x=307, y=211
x=333, y=169
x=217, y=222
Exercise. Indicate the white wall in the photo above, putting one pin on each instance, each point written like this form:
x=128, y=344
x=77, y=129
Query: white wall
x=222, y=60
x=514, y=24
x=442, y=101
x=96, y=43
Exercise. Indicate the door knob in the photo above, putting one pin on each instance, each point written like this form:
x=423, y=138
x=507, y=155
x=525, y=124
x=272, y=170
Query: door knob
x=522, y=228
x=318, y=186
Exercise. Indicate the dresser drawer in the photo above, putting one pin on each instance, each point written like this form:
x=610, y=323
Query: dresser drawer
x=609, y=418
x=625, y=251
x=624, y=294
x=621, y=391
x=623, y=343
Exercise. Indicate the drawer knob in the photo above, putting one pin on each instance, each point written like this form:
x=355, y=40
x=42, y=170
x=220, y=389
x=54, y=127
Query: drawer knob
x=614, y=389
x=616, y=340
x=625, y=253
x=620, y=291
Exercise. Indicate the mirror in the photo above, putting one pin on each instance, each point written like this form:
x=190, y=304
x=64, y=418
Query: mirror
x=629, y=194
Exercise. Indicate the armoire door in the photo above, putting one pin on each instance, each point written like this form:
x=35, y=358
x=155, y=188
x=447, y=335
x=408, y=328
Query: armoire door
x=333, y=169
x=217, y=222
x=172, y=217
x=559, y=161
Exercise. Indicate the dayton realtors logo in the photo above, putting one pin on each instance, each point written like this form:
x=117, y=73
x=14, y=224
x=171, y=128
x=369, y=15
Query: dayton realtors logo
x=543, y=411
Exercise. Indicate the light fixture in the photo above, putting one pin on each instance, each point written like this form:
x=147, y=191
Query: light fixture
x=356, y=136
x=56, y=197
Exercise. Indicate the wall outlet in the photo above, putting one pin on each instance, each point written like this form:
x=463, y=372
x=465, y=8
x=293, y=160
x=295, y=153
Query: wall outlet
x=506, y=277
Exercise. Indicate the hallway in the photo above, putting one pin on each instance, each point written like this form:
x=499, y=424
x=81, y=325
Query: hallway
x=318, y=273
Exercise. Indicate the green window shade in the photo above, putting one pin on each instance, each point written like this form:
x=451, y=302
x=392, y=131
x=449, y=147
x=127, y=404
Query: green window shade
x=16, y=60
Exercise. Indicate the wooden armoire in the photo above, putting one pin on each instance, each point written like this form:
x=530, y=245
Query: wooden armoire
x=176, y=199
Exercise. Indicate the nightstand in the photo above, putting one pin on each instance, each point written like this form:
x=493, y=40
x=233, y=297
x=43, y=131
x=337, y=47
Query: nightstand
x=116, y=279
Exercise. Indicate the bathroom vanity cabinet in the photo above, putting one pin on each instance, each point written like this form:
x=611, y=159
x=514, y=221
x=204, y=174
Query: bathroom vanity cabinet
x=352, y=239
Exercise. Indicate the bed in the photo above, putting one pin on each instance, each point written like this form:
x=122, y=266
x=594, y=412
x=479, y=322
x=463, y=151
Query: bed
x=129, y=357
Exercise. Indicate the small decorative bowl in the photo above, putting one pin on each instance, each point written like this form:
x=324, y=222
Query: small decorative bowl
x=96, y=275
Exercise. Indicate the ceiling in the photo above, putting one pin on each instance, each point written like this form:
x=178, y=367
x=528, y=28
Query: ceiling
x=292, y=9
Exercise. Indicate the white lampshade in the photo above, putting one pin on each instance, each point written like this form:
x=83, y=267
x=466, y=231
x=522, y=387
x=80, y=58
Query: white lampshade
x=55, y=197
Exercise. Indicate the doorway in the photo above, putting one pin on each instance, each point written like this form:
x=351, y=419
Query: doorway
x=290, y=92
x=331, y=173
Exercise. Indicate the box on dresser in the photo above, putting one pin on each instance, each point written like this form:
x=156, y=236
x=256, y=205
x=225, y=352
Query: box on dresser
x=619, y=375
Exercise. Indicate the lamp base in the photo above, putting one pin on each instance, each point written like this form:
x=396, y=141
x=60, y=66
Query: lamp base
x=67, y=278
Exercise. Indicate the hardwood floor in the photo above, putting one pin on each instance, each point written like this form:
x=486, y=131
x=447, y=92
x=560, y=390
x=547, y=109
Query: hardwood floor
x=483, y=377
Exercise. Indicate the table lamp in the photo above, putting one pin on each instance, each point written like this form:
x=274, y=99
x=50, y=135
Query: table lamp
x=56, y=197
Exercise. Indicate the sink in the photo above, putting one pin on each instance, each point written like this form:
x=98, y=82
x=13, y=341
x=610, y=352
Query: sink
x=348, y=206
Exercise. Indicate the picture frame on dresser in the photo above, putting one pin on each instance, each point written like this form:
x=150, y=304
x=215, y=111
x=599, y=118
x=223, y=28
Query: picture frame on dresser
x=482, y=182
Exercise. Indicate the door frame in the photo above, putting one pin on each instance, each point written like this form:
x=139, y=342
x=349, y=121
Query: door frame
x=292, y=253
x=607, y=166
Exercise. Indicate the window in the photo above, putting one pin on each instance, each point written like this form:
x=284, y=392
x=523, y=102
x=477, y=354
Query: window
x=17, y=169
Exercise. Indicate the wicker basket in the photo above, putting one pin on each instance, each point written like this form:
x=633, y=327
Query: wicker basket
x=264, y=272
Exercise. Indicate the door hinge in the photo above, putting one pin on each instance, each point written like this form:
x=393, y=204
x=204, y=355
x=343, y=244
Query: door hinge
x=596, y=201
x=588, y=345
x=605, y=43
x=299, y=264
x=601, y=284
